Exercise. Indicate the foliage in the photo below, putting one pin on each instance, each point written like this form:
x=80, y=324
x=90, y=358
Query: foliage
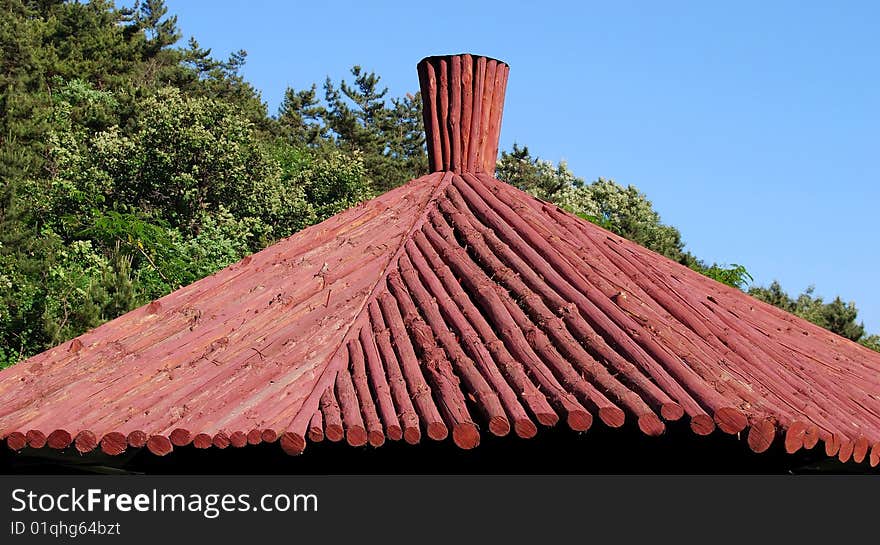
x=357, y=118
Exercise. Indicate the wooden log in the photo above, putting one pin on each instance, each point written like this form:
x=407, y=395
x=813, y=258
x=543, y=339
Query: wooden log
x=832, y=444
x=543, y=347
x=609, y=319
x=113, y=443
x=316, y=427
x=220, y=440
x=254, y=437
x=846, y=451
x=412, y=373
x=720, y=340
x=480, y=286
x=16, y=441
x=745, y=349
x=860, y=449
x=159, y=445
x=355, y=430
x=761, y=435
x=428, y=83
x=516, y=279
x=690, y=347
x=137, y=439
x=380, y=386
x=444, y=381
x=35, y=438
x=489, y=352
x=811, y=436
x=365, y=398
x=513, y=369
x=467, y=108
x=180, y=437
x=238, y=439
x=476, y=114
x=454, y=122
x=204, y=440
x=85, y=441
x=485, y=397
x=491, y=155
x=669, y=371
x=59, y=439
x=875, y=454
x=443, y=101
x=407, y=414
x=486, y=112
x=794, y=436
x=333, y=429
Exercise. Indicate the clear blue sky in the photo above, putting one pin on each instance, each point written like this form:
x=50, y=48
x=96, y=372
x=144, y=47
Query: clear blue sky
x=752, y=126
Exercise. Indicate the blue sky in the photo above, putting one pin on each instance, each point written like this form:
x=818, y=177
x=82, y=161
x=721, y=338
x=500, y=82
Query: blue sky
x=753, y=127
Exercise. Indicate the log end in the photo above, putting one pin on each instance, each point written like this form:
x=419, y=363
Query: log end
x=59, y=439
x=794, y=436
x=376, y=438
x=761, y=435
x=846, y=451
x=547, y=419
x=315, y=434
x=137, y=439
x=181, y=437
x=238, y=439
x=579, y=420
x=412, y=435
x=671, y=411
x=702, y=424
x=356, y=436
x=651, y=425
x=293, y=443
x=159, y=445
x=113, y=443
x=499, y=426
x=269, y=435
x=811, y=436
x=16, y=441
x=466, y=435
x=832, y=444
x=874, y=460
x=202, y=440
x=85, y=441
x=393, y=432
x=731, y=420
x=437, y=431
x=220, y=440
x=35, y=439
x=254, y=437
x=525, y=428
x=334, y=432
x=612, y=417
x=860, y=449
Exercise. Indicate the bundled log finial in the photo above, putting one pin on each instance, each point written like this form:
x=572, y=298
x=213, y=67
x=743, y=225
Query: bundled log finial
x=463, y=98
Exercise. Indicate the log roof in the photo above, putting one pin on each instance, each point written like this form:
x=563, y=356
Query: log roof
x=451, y=307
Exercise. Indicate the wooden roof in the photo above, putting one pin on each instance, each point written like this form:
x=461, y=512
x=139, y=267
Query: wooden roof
x=455, y=305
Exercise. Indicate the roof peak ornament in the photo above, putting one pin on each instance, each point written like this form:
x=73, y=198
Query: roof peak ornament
x=463, y=99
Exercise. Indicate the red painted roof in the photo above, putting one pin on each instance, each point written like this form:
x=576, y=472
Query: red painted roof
x=454, y=305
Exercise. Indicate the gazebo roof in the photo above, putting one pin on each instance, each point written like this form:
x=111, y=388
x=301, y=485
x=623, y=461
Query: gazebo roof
x=453, y=305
